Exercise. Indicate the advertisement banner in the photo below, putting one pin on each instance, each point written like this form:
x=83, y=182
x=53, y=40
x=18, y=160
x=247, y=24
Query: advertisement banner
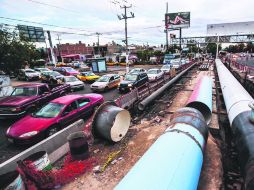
x=177, y=20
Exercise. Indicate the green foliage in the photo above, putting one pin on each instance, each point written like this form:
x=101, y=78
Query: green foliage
x=240, y=48
x=212, y=47
x=14, y=53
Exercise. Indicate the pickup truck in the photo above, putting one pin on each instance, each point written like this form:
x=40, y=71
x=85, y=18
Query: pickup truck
x=27, y=98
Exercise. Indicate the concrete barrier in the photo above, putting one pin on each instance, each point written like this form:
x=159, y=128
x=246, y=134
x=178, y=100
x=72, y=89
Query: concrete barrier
x=56, y=146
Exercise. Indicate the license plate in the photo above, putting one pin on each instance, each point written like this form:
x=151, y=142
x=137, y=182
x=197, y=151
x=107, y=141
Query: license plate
x=10, y=140
x=122, y=88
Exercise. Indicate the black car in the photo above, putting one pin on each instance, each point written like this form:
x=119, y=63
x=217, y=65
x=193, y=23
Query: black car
x=133, y=80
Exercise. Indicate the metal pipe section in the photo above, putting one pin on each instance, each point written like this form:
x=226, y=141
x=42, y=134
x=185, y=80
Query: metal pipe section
x=237, y=100
x=175, y=160
x=110, y=122
x=201, y=97
x=235, y=96
x=146, y=101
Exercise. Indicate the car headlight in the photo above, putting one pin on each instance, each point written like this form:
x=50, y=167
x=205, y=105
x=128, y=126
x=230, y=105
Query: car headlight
x=29, y=134
x=129, y=85
x=15, y=109
x=8, y=130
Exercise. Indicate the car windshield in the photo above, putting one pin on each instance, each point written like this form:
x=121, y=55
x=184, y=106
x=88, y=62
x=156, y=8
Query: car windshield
x=69, y=69
x=49, y=111
x=152, y=71
x=166, y=67
x=55, y=74
x=24, y=91
x=88, y=74
x=135, y=70
x=131, y=77
x=29, y=71
x=43, y=69
x=70, y=79
x=103, y=79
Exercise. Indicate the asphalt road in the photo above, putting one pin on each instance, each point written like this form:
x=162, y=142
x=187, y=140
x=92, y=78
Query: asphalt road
x=7, y=150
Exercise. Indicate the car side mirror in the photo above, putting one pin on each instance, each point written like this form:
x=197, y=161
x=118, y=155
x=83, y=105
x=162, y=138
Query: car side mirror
x=65, y=113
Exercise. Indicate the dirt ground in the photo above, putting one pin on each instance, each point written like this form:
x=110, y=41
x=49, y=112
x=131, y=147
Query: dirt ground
x=138, y=139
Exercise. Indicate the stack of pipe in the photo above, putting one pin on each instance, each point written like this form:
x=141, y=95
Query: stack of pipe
x=175, y=160
x=237, y=101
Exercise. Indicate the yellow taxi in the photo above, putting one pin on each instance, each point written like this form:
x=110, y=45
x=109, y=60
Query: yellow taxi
x=111, y=63
x=88, y=76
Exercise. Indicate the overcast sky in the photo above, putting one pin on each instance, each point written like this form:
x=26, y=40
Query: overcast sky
x=90, y=16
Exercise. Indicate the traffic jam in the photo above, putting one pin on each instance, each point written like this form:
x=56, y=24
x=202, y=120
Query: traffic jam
x=42, y=106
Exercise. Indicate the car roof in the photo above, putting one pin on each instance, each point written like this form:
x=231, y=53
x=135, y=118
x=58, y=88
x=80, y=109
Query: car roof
x=69, y=76
x=31, y=85
x=70, y=98
x=154, y=69
x=110, y=75
x=67, y=99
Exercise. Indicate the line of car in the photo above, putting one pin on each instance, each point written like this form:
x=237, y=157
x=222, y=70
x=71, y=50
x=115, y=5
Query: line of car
x=43, y=111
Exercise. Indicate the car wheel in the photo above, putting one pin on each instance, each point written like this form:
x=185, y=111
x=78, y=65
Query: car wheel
x=27, y=79
x=52, y=130
x=106, y=88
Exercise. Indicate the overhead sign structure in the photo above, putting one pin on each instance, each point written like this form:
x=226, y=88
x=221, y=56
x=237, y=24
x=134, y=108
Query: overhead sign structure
x=31, y=33
x=177, y=20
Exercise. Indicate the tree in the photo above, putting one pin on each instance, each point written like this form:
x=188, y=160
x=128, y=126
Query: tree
x=14, y=52
x=212, y=48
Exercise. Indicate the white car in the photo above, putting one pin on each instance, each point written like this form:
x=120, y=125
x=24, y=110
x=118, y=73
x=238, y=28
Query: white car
x=176, y=63
x=154, y=74
x=106, y=82
x=166, y=68
x=42, y=69
x=28, y=74
x=73, y=82
x=138, y=70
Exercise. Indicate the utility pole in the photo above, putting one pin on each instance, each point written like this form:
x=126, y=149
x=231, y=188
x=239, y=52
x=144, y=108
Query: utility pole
x=125, y=17
x=51, y=48
x=166, y=30
x=59, y=46
x=217, y=47
x=98, y=42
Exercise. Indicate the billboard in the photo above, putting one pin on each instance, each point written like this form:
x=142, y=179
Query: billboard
x=230, y=28
x=177, y=20
x=31, y=33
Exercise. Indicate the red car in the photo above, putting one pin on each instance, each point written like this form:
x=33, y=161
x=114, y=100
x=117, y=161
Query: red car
x=67, y=71
x=54, y=116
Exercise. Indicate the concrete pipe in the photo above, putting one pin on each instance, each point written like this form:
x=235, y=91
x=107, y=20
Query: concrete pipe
x=175, y=160
x=201, y=98
x=149, y=99
x=237, y=101
x=111, y=122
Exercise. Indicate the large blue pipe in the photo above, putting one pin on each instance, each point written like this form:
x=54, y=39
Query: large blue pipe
x=175, y=160
x=201, y=98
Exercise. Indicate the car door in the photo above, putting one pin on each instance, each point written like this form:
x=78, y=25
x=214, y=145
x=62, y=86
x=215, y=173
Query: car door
x=69, y=115
x=111, y=82
x=85, y=107
x=44, y=94
x=117, y=80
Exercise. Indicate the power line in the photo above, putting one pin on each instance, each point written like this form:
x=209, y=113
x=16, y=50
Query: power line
x=50, y=5
x=51, y=25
